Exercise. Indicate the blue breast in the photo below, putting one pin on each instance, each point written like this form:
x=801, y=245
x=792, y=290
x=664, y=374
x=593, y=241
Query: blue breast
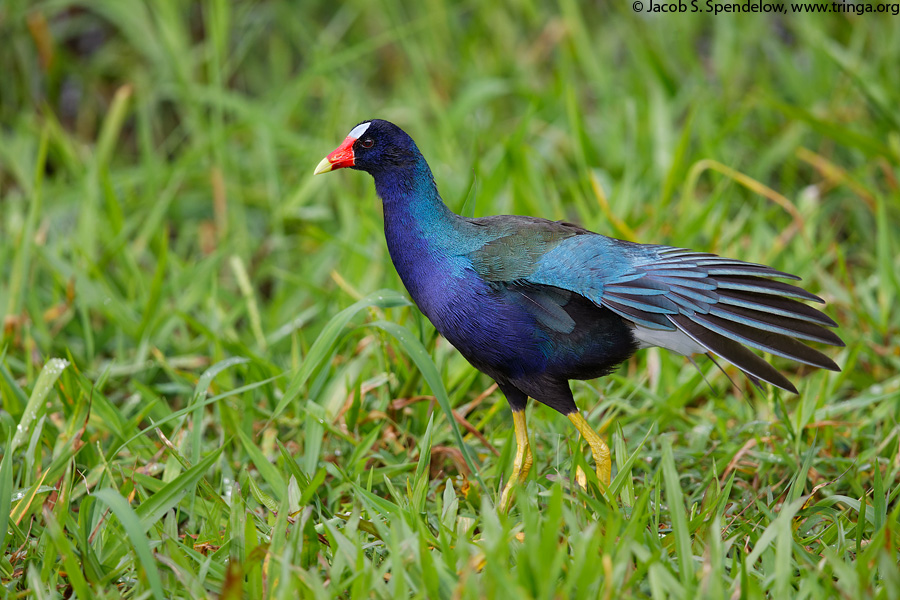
x=492, y=334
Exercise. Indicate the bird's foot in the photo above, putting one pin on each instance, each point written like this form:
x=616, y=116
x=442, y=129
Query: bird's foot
x=506, y=497
x=599, y=450
x=522, y=462
x=580, y=477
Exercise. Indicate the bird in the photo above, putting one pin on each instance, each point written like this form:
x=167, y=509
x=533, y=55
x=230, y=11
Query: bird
x=535, y=303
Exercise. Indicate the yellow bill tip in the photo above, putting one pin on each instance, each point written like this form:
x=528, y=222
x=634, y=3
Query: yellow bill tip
x=323, y=167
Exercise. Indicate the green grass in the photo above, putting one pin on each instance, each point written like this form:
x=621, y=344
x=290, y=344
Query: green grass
x=211, y=380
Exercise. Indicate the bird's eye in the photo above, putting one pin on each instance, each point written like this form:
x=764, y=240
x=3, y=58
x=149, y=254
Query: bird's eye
x=368, y=143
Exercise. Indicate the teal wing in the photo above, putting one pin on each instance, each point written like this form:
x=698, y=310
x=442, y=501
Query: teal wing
x=516, y=246
x=674, y=298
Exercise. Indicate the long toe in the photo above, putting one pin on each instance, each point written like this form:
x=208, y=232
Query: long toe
x=604, y=470
x=599, y=449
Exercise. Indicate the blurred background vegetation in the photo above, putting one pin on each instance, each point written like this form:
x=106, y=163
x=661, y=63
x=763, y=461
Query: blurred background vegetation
x=243, y=412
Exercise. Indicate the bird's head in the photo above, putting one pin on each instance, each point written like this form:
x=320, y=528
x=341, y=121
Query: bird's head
x=372, y=146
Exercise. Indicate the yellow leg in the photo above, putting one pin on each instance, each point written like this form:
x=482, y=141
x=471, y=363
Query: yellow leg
x=598, y=447
x=522, y=461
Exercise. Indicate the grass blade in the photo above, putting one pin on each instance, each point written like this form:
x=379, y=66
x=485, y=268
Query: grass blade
x=675, y=500
x=36, y=405
x=416, y=351
x=321, y=348
x=135, y=532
